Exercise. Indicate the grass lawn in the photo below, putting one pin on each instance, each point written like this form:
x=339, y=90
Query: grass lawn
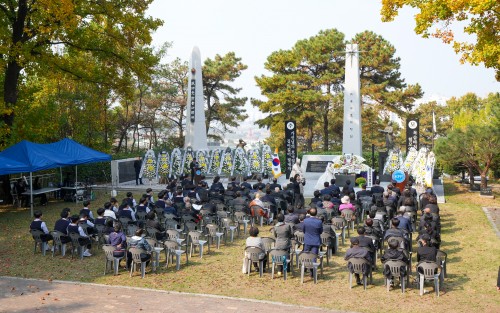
x=472, y=247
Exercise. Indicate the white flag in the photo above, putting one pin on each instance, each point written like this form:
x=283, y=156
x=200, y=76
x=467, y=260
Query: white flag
x=433, y=122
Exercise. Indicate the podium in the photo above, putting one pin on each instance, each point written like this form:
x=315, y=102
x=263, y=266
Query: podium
x=197, y=175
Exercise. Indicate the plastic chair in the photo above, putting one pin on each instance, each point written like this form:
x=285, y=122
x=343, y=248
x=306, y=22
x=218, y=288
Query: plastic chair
x=56, y=235
x=280, y=257
x=428, y=271
x=327, y=241
x=442, y=257
x=131, y=229
x=395, y=268
x=75, y=243
x=136, y=259
x=241, y=219
x=141, y=216
x=100, y=228
x=37, y=236
x=254, y=255
x=171, y=224
x=340, y=225
x=194, y=238
x=172, y=248
x=309, y=260
x=361, y=267
x=349, y=218
x=299, y=242
x=111, y=259
x=213, y=234
x=152, y=232
x=125, y=221
x=268, y=246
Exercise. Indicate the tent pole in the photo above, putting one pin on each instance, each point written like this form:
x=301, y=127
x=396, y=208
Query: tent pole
x=76, y=175
x=60, y=172
x=31, y=192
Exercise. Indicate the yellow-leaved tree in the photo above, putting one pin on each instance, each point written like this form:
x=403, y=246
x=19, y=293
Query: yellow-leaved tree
x=437, y=17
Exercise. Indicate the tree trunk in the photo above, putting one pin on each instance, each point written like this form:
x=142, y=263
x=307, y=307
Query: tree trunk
x=325, y=131
x=309, y=139
x=484, y=183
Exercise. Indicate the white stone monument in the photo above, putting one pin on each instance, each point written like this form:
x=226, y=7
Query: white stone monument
x=351, y=143
x=196, y=134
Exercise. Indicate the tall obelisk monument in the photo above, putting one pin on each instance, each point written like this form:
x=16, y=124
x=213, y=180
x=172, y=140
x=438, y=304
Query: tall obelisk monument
x=196, y=134
x=351, y=142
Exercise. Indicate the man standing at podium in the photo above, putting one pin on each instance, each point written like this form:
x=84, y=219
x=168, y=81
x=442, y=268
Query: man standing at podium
x=193, y=166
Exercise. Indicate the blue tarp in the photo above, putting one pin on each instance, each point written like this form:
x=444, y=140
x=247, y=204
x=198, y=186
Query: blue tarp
x=27, y=156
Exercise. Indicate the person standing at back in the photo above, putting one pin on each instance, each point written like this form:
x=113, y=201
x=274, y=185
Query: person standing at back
x=312, y=232
x=137, y=168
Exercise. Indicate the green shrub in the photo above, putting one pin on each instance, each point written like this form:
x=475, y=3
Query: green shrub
x=360, y=180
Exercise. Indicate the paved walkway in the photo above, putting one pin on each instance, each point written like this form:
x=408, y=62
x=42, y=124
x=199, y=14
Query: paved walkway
x=31, y=295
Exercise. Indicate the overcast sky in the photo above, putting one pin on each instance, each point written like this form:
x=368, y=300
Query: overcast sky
x=254, y=29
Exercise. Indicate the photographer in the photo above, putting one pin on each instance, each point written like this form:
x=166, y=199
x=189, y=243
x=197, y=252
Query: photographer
x=298, y=191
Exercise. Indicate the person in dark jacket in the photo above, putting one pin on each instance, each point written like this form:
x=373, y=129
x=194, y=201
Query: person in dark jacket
x=137, y=168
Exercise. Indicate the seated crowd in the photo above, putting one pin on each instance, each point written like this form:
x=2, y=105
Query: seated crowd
x=390, y=217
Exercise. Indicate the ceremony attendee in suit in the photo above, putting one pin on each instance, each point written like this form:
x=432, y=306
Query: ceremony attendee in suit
x=137, y=168
x=233, y=183
x=312, y=232
x=348, y=188
x=404, y=222
x=334, y=188
x=357, y=252
x=317, y=197
x=217, y=185
x=395, y=254
x=326, y=190
x=365, y=242
x=425, y=252
x=376, y=188
x=259, y=185
x=291, y=217
x=363, y=192
x=275, y=184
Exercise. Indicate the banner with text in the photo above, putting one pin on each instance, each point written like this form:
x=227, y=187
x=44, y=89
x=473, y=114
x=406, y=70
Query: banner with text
x=290, y=145
x=412, y=134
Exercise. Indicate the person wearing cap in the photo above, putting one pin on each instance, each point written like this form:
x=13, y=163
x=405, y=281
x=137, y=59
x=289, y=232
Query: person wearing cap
x=312, y=232
x=346, y=204
x=357, y=252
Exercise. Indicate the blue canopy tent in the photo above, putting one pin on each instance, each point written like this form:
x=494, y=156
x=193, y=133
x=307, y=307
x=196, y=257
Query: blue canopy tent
x=27, y=156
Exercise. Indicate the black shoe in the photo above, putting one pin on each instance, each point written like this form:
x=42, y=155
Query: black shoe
x=359, y=282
